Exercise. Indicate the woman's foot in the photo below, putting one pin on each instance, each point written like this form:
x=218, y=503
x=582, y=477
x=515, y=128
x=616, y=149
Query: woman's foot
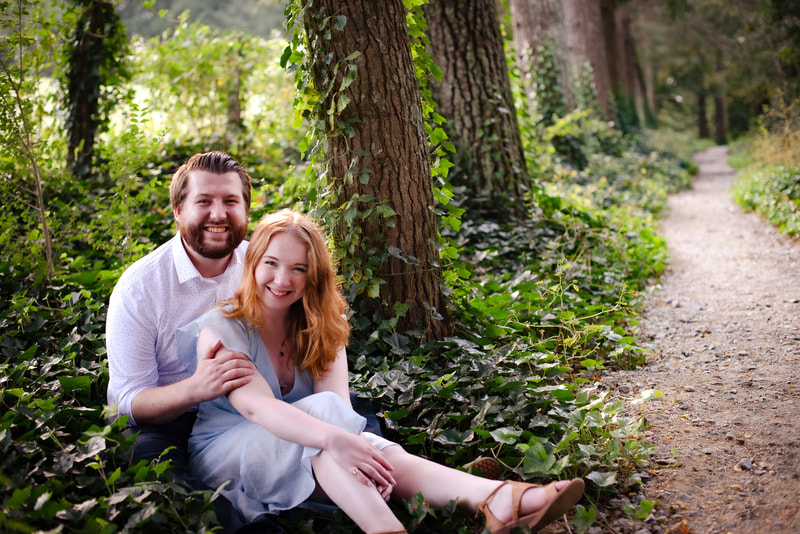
x=533, y=500
x=515, y=504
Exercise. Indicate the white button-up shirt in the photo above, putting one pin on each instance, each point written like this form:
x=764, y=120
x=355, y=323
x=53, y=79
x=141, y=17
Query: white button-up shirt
x=153, y=298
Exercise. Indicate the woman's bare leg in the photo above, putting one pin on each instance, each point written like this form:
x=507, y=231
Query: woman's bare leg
x=440, y=485
x=363, y=504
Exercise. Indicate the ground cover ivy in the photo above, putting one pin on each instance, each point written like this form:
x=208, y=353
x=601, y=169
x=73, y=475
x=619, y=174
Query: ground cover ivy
x=774, y=194
x=768, y=179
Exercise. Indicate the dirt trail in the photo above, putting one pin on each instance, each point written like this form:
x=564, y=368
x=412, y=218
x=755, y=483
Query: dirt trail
x=725, y=327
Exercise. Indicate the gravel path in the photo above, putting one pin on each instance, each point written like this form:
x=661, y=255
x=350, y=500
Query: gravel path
x=724, y=324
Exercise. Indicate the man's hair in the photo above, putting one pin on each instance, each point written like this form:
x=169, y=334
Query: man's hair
x=216, y=162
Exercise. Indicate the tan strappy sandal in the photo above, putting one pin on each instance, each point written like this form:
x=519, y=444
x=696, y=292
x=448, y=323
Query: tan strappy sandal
x=558, y=503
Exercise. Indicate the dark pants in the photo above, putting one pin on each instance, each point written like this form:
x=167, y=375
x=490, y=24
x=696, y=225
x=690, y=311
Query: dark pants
x=154, y=439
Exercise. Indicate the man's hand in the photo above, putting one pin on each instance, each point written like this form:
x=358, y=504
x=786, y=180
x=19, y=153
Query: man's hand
x=219, y=370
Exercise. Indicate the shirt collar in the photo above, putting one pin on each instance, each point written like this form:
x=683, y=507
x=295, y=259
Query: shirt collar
x=184, y=267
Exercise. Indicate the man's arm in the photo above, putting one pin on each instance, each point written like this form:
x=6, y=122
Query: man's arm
x=218, y=373
x=136, y=370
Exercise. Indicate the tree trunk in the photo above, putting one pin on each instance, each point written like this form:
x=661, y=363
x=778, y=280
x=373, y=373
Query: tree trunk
x=536, y=23
x=702, y=116
x=648, y=77
x=474, y=96
x=377, y=149
x=539, y=42
x=721, y=104
x=583, y=27
x=629, y=84
x=88, y=57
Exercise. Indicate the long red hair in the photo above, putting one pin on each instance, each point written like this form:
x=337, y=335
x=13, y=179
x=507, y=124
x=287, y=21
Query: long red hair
x=315, y=326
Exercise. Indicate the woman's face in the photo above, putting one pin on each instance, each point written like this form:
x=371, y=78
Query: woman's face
x=281, y=274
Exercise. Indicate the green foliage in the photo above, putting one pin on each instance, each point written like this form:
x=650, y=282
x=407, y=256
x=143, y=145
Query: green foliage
x=681, y=144
x=769, y=177
x=584, y=91
x=546, y=92
x=26, y=128
x=63, y=466
x=775, y=194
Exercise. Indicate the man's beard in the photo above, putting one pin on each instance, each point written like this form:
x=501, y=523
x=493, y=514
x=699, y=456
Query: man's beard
x=194, y=236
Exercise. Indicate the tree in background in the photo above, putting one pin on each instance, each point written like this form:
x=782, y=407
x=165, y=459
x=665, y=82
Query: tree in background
x=538, y=38
x=625, y=73
x=583, y=28
x=536, y=24
x=377, y=160
x=785, y=18
x=96, y=51
x=474, y=96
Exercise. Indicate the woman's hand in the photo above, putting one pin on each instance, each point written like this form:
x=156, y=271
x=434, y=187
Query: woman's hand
x=360, y=458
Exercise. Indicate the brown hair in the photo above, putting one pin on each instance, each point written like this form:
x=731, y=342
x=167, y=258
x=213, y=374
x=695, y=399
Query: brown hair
x=315, y=329
x=216, y=162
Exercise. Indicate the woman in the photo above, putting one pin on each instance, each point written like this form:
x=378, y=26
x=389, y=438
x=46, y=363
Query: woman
x=291, y=429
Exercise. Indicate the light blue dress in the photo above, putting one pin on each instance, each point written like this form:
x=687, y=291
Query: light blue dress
x=264, y=473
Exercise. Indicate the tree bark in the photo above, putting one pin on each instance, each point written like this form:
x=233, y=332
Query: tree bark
x=474, y=96
x=721, y=104
x=377, y=149
x=583, y=27
x=88, y=57
x=539, y=42
x=535, y=23
x=702, y=117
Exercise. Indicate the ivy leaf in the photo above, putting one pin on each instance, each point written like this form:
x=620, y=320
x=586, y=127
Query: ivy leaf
x=538, y=460
x=73, y=383
x=603, y=479
x=340, y=23
x=584, y=518
x=506, y=435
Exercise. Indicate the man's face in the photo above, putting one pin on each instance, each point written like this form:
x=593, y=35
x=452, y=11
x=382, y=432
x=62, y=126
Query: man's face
x=213, y=216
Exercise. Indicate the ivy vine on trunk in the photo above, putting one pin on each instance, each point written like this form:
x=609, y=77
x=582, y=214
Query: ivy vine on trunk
x=96, y=51
x=370, y=124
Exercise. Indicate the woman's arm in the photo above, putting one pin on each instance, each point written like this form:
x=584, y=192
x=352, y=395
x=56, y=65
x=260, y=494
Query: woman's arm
x=337, y=378
x=256, y=402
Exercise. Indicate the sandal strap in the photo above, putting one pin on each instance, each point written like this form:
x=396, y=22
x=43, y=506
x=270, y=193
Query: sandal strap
x=517, y=489
x=491, y=520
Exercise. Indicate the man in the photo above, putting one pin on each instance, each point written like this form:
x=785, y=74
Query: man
x=168, y=288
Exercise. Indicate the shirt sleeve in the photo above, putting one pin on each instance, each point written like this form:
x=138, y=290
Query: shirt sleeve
x=131, y=345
